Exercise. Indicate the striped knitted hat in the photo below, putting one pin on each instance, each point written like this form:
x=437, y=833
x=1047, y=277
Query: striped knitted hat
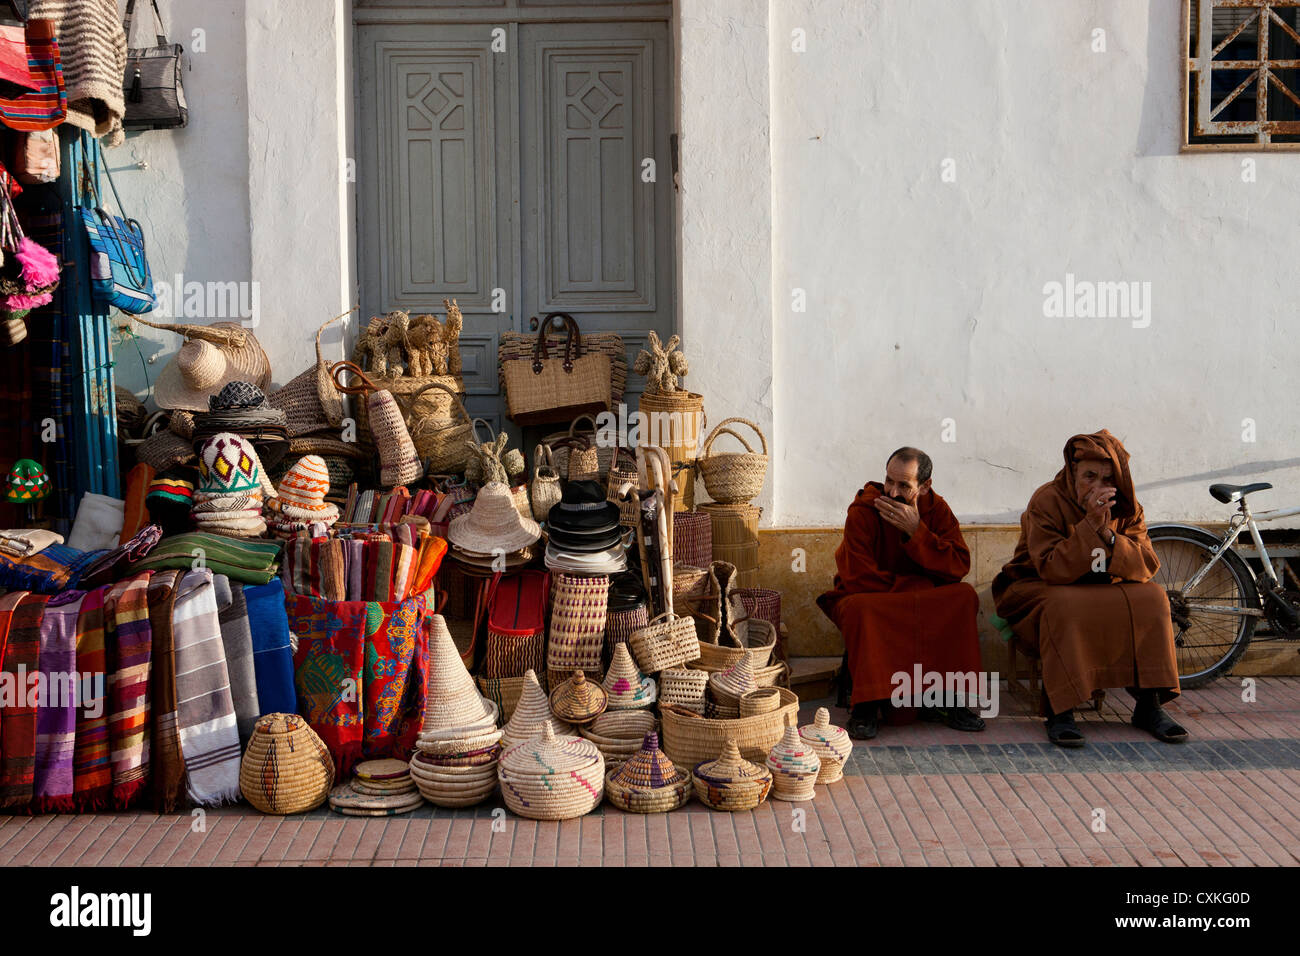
x=169, y=501
x=171, y=489
x=304, y=487
x=228, y=465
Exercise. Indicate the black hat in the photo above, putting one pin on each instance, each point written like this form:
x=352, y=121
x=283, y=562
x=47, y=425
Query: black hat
x=566, y=541
x=583, y=507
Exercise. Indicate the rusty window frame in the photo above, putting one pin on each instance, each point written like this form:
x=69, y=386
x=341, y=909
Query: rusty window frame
x=1201, y=127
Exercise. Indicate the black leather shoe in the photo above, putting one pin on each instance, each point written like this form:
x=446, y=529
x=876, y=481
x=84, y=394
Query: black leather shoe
x=1062, y=730
x=862, y=728
x=1156, y=721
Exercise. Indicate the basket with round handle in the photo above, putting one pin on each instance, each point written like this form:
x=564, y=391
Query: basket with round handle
x=561, y=443
x=546, y=483
x=733, y=477
x=440, y=441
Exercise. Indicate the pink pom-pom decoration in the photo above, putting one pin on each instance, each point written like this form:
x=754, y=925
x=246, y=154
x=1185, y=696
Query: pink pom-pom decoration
x=40, y=267
x=20, y=302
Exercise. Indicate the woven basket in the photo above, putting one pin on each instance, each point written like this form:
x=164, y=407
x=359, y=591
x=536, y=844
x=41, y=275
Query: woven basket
x=596, y=462
x=730, y=782
x=577, y=634
x=688, y=738
x=310, y=401
x=519, y=345
x=545, y=489
x=648, y=782
x=399, y=463
x=440, y=426
x=619, y=733
x=623, y=471
x=735, y=539
x=732, y=477
x=577, y=700
x=794, y=765
x=552, y=778
x=690, y=588
x=764, y=700
x=620, y=626
x=683, y=687
x=286, y=768
x=831, y=744
x=715, y=657
x=761, y=603
x=774, y=675
x=674, y=423
x=692, y=538
x=667, y=641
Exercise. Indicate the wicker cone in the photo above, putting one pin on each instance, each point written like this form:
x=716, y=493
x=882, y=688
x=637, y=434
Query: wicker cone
x=676, y=420
x=648, y=782
x=399, y=464
x=761, y=700
x=310, y=401
x=733, y=476
x=730, y=782
x=689, y=738
x=578, y=700
x=683, y=687
x=552, y=778
x=625, y=686
x=532, y=713
x=831, y=744
x=454, y=707
x=286, y=767
x=794, y=765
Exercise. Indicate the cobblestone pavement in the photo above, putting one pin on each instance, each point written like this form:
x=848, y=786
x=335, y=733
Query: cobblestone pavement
x=918, y=795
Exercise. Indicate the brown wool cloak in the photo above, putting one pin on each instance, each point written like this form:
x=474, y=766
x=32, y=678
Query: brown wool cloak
x=1093, y=630
x=901, y=602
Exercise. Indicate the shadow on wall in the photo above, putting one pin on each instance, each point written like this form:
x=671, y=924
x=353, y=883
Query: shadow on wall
x=1158, y=132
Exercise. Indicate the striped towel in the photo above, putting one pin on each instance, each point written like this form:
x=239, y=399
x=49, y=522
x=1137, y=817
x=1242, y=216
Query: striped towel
x=166, y=765
x=206, y=713
x=237, y=640
x=129, y=643
x=92, y=772
x=20, y=616
x=56, y=711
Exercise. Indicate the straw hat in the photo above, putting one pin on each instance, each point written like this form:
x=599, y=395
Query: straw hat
x=211, y=356
x=303, y=489
x=493, y=523
x=624, y=685
x=731, y=782
x=794, y=765
x=454, y=707
x=286, y=768
x=831, y=744
x=532, y=713
x=578, y=700
x=648, y=782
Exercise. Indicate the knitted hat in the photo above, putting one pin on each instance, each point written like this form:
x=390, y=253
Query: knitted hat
x=303, y=489
x=169, y=501
x=28, y=482
x=211, y=356
x=228, y=465
x=237, y=395
x=493, y=523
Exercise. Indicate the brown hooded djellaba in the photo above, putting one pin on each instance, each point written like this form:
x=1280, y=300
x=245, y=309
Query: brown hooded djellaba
x=899, y=602
x=1093, y=629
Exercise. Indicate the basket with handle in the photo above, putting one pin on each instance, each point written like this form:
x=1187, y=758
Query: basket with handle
x=399, y=463
x=545, y=488
x=310, y=401
x=733, y=477
x=667, y=641
x=440, y=438
x=580, y=439
x=676, y=420
x=545, y=389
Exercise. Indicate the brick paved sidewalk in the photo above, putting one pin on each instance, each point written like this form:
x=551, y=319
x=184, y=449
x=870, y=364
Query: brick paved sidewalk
x=916, y=795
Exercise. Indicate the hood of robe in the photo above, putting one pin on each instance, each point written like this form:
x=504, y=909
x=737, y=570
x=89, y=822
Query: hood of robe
x=1099, y=446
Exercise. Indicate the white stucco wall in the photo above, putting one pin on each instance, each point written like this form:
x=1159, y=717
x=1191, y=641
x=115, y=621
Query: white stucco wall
x=925, y=298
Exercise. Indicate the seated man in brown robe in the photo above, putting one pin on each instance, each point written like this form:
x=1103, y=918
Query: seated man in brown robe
x=1078, y=590
x=898, y=597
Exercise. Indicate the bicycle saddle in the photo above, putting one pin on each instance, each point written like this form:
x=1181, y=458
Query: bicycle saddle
x=1230, y=493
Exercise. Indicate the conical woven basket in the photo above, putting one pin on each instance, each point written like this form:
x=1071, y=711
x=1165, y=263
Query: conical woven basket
x=578, y=700
x=552, y=778
x=729, y=782
x=286, y=768
x=794, y=765
x=454, y=707
x=625, y=686
x=532, y=713
x=648, y=782
x=831, y=744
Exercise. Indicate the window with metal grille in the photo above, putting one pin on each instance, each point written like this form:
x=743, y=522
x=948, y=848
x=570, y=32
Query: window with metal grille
x=1242, y=83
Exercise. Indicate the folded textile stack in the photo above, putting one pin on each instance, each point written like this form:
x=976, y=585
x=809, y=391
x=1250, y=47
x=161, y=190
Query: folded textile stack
x=583, y=532
x=229, y=499
x=378, y=788
x=458, y=747
x=53, y=568
x=241, y=408
x=245, y=561
x=24, y=542
x=493, y=536
x=301, y=502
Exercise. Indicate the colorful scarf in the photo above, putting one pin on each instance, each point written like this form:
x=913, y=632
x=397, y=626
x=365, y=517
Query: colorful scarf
x=92, y=771
x=119, y=562
x=432, y=551
x=237, y=642
x=56, y=568
x=354, y=552
x=129, y=645
x=20, y=617
x=167, y=765
x=56, y=712
x=315, y=568
x=208, y=730
x=328, y=672
x=395, y=678
x=272, y=655
x=245, y=561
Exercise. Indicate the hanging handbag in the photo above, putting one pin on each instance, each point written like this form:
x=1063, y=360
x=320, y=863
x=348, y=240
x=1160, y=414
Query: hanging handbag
x=546, y=483
x=119, y=269
x=543, y=389
x=43, y=102
x=155, y=98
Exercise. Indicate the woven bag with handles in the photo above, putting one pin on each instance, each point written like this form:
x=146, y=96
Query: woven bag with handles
x=311, y=401
x=732, y=477
x=546, y=483
x=439, y=439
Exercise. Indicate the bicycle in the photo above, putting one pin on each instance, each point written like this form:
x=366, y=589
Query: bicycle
x=1215, y=599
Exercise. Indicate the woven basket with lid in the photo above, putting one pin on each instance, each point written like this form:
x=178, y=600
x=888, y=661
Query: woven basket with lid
x=648, y=782
x=794, y=765
x=831, y=744
x=287, y=768
x=731, y=782
x=578, y=700
x=552, y=778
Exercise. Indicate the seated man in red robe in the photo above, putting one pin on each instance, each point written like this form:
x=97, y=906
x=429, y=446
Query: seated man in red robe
x=898, y=597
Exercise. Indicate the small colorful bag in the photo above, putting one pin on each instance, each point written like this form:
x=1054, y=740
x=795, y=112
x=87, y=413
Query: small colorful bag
x=119, y=270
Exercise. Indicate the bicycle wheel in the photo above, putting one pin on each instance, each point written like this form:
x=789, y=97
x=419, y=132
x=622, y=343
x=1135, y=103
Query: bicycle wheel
x=1208, y=635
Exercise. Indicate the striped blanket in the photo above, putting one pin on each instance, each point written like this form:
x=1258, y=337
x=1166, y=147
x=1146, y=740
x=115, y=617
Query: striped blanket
x=56, y=710
x=129, y=644
x=208, y=732
x=20, y=615
x=56, y=568
x=166, y=765
x=92, y=772
x=246, y=561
